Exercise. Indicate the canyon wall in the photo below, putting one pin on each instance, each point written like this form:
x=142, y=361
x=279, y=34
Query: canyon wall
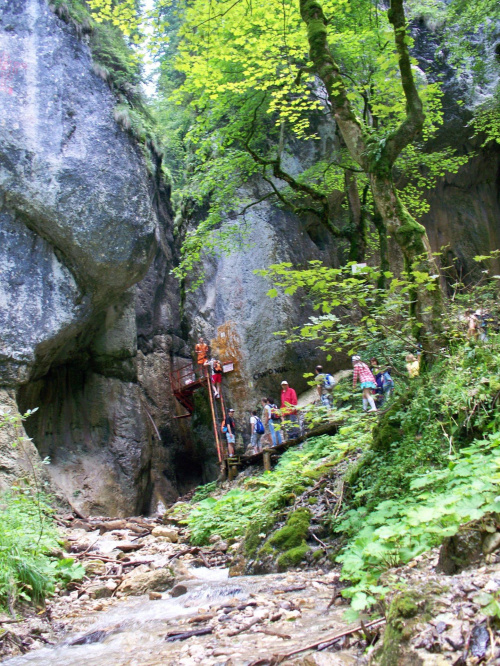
x=81, y=220
x=91, y=319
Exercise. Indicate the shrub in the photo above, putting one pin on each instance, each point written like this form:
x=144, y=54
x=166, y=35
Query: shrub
x=27, y=538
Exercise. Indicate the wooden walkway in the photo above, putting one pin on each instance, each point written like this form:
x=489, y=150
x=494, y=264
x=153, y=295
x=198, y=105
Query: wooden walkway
x=266, y=456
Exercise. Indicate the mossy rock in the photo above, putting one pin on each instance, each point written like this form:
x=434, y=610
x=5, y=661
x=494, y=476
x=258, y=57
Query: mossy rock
x=293, y=533
x=312, y=500
x=318, y=554
x=388, y=430
x=252, y=536
x=408, y=609
x=292, y=557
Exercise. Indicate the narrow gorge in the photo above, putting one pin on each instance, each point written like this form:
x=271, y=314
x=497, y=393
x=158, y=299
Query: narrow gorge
x=132, y=224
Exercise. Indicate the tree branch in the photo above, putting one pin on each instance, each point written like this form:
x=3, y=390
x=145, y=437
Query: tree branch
x=328, y=71
x=414, y=121
x=254, y=203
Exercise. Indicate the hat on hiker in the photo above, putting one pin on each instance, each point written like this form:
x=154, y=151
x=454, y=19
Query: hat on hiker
x=284, y=382
x=354, y=359
x=231, y=410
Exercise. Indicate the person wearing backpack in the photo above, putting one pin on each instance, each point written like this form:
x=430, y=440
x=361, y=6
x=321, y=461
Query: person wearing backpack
x=256, y=430
x=379, y=380
x=325, y=383
x=272, y=419
x=388, y=384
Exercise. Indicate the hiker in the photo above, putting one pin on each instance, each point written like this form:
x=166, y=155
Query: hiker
x=483, y=318
x=413, y=365
x=367, y=382
x=325, y=383
x=230, y=426
x=256, y=430
x=388, y=384
x=201, y=350
x=288, y=404
x=378, y=374
x=216, y=376
x=272, y=419
x=472, y=325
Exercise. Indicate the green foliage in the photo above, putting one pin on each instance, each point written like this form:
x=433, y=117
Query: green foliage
x=354, y=313
x=255, y=504
x=28, y=536
x=429, y=469
x=28, y=571
x=202, y=492
x=237, y=95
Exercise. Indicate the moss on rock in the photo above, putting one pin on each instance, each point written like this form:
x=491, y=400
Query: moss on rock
x=292, y=557
x=253, y=535
x=293, y=533
x=388, y=430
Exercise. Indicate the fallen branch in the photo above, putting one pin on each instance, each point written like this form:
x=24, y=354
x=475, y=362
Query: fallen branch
x=183, y=635
x=291, y=588
x=201, y=618
x=326, y=642
x=273, y=632
x=186, y=551
x=322, y=543
x=88, y=548
x=11, y=621
x=339, y=503
x=245, y=627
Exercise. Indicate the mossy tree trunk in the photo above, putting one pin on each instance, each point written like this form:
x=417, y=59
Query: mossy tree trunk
x=395, y=219
x=357, y=218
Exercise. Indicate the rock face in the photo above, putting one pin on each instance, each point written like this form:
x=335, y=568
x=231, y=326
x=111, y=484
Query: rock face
x=77, y=231
x=232, y=310
x=77, y=224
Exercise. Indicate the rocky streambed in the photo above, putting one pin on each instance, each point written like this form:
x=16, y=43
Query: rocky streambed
x=151, y=598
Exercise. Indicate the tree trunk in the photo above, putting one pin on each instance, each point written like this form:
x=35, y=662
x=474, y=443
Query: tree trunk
x=412, y=239
x=383, y=245
x=357, y=219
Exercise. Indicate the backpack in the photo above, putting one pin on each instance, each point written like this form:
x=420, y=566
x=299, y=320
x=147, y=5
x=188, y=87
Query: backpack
x=387, y=379
x=328, y=382
x=275, y=413
x=223, y=427
x=259, y=426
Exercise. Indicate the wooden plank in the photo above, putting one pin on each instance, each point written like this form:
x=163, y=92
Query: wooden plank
x=322, y=429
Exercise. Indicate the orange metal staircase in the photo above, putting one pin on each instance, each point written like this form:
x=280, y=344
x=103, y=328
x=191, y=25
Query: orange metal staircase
x=184, y=383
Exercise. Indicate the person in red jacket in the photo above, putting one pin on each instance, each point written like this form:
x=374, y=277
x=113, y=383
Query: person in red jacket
x=288, y=403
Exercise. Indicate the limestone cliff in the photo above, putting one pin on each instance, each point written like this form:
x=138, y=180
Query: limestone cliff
x=78, y=232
